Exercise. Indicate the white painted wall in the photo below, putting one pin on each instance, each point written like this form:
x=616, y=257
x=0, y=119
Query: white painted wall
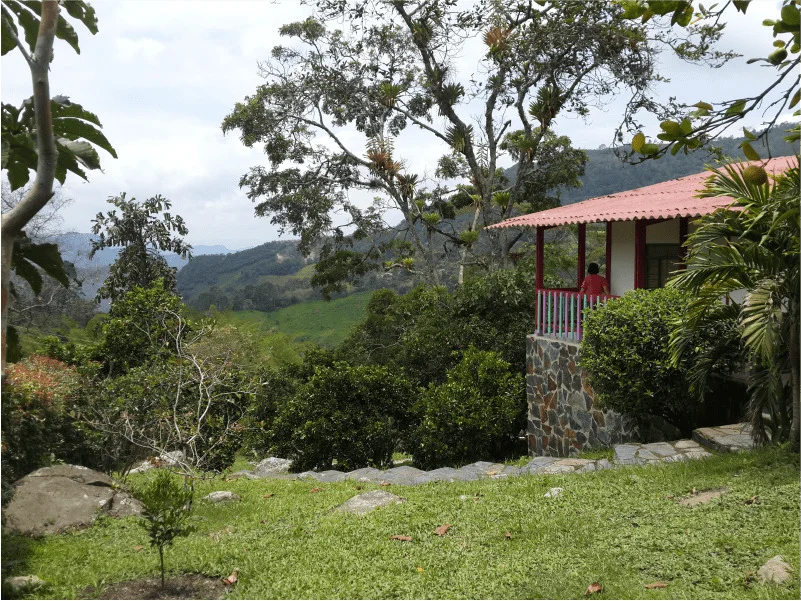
x=622, y=257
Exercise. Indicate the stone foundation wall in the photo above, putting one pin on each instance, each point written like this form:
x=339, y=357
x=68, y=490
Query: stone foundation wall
x=562, y=417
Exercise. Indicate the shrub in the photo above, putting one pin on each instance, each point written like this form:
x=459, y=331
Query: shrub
x=39, y=402
x=625, y=352
x=356, y=415
x=476, y=414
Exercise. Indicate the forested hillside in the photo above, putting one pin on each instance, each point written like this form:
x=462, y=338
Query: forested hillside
x=275, y=275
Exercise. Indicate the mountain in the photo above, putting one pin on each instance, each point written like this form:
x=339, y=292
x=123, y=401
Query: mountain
x=275, y=275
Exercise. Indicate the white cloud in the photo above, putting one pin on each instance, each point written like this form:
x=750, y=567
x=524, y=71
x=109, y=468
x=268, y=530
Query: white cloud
x=129, y=49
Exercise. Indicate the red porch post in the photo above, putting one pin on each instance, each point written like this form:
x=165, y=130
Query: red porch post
x=609, y=254
x=540, y=258
x=582, y=252
x=639, y=253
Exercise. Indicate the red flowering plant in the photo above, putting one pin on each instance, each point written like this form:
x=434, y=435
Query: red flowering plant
x=38, y=414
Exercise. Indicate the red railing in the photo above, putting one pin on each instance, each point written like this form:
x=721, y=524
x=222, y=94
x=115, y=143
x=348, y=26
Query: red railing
x=560, y=311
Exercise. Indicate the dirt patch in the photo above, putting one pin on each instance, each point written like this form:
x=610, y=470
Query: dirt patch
x=703, y=497
x=185, y=586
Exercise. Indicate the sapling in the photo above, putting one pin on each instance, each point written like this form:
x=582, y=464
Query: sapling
x=167, y=505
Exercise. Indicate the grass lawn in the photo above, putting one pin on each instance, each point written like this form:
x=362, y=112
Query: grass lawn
x=622, y=528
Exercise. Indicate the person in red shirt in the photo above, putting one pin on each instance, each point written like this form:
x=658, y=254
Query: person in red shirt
x=594, y=283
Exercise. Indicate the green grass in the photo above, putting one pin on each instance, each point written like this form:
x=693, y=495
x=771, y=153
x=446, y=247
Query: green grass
x=325, y=323
x=598, y=454
x=622, y=528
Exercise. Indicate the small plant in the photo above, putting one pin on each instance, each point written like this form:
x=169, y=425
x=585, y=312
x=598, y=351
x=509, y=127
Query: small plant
x=167, y=506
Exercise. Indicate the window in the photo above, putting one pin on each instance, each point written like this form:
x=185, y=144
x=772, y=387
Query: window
x=660, y=260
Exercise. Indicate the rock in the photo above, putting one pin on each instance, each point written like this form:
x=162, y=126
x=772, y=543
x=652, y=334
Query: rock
x=272, y=466
x=774, y=571
x=221, y=496
x=17, y=585
x=367, y=502
x=554, y=492
x=62, y=497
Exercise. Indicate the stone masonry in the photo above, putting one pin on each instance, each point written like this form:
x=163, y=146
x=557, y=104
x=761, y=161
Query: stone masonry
x=563, y=418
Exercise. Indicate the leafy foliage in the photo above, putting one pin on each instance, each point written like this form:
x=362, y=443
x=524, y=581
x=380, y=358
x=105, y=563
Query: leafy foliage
x=356, y=415
x=143, y=233
x=474, y=415
x=754, y=249
x=167, y=506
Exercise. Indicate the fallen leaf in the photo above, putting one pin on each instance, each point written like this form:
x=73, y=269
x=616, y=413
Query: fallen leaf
x=269, y=494
x=657, y=585
x=693, y=491
x=442, y=530
x=400, y=537
x=419, y=569
x=138, y=548
x=314, y=490
x=508, y=536
x=384, y=484
x=232, y=578
x=754, y=501
x=595, y=587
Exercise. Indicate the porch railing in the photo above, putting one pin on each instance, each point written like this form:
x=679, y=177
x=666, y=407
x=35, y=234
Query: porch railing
x=560, y=311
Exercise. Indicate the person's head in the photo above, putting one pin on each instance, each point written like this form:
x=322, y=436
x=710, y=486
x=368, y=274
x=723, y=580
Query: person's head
x=593, y=269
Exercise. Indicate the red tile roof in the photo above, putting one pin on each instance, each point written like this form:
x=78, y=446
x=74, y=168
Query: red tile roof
x=674, y=198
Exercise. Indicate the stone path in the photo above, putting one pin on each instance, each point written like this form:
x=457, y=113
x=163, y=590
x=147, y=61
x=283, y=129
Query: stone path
x=723, y=438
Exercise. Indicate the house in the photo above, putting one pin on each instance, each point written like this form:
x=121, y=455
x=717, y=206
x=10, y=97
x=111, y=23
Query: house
x=645, y=230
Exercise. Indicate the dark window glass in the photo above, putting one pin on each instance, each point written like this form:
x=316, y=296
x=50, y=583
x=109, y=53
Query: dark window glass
x=660, y=261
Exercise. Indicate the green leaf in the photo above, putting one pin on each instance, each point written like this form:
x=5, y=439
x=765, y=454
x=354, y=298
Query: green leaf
x=13, y=345
x=67, y=161
x=83, y=151
x=649, y=149
x=29, y=23
x=748, y=134
x=8, y=28
x=637, y=142
x=65, y=31
x=790, y=15
x=749, y=152
x=672, y=128
x=796, y=98
x=84, y=12
x=6, y=152
x=703, y=105
x=72, y=128
x=736, y=108
x=73, y=110
x=741, y=5
x=686, y=127
x=29, y=273
x=49, y=259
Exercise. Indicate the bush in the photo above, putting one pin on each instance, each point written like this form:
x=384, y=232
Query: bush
x=625, y=352
x=39, y=402
x=476, y=414
x=356, y=415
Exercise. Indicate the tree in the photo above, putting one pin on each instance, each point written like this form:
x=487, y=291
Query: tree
x=50, y=136
x=142, y=233
x=689, y=127
x=393, y=70
x=755, y=248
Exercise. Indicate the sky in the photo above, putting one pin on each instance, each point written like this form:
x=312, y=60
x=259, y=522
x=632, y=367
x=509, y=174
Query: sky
x=162, y=75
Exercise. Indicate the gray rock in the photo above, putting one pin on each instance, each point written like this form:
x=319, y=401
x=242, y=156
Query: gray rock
x=164, y=460
x=509, y=470
x=775, y=571
x=554, y=492
x=448, y=474
x=661, y=449
x=21, y=584
x=272, y=466
x=406, y=476
x=686, y=444
x=221, y=496
x=244, y=474
x=63, y=497
x=330, y=476
x=367, y=502
x=366, y=474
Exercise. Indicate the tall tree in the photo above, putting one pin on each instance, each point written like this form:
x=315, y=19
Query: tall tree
x=395, y=69
x=143, y=233
x=50, y=136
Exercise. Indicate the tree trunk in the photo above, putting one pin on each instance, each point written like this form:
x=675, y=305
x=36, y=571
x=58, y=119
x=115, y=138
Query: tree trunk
x=42, y=190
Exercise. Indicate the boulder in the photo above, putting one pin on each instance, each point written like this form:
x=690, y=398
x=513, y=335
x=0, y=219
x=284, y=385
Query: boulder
x=272, y=466
x=367, y=502
x=63, y=497
x=164, y=460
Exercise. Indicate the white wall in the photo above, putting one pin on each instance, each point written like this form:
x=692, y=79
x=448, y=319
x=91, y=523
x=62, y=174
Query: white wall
x=622, y=257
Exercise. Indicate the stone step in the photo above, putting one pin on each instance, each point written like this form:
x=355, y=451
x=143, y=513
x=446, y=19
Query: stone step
x=725, y=439
x=656, y=452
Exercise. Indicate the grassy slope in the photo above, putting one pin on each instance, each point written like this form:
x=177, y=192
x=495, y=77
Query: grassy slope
x=622, y=528
x=318, y=321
